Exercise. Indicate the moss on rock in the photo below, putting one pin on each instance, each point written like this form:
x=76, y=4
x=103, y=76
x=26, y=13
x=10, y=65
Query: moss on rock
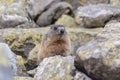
x=67, y=21
x=21, y=41
x=21, y=70
x=101, y=55
x=22, y=78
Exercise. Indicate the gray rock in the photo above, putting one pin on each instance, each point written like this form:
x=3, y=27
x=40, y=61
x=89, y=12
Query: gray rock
x=7, y=21
x=53, y=13
x=33, y=58
x=96, y=15
x=89, y=2
x=7, y=63
x=36, y=7
x=21, y=41
x=77, y=3
x=80, y=76
x=81, y=36
x=12, y=13
x=100, y=58
x=23, y=78
x=55, y=68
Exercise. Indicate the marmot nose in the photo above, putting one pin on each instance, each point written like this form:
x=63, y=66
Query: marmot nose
x=61, y=31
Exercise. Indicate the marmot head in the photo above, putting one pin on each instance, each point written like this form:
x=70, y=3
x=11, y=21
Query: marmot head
x=57, y=31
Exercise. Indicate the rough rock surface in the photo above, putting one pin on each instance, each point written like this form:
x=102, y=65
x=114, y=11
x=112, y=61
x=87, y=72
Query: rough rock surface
x=100, y=58
x=96, y=15
x=9, y=57
x=33, y=58
x=81, y=36
x=89, y=2
x=77, y=3
x=7, y=63
x=55, y=68
x=80, y=76
x=53, y=13
x=21, y=41
x=22, y=78
x=37, y=7
x=12, y=13
x=67, y=21
x=21, y=69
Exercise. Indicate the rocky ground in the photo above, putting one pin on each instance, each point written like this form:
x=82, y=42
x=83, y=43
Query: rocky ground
x=93, y=27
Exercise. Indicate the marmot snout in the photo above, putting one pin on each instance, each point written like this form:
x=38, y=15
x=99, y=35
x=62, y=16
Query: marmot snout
x=55, y=42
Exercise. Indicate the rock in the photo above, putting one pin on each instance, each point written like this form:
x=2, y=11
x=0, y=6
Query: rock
x=115, y=2
x=77, y=3
x=12, y=13
x=7, y=63
x=7, y=58
x=22, y=41
x=55, y=68
x=33, y=53
x=28, y=25
x=100, y=57
x=80, y=76
x=90, y=2
x=67, y=21
x=81, y=36
x=37, y=7
x=32, y=72
x=21, y=66
x=96, y=15
x=53, y=13
x=22, y=78
x=32, y=58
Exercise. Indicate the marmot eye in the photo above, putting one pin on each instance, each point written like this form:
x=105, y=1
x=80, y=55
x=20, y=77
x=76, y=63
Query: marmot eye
x=55, y=28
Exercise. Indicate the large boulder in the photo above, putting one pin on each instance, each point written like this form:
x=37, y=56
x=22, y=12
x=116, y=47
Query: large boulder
x=46, y=12
x=37, y=7
x=96, y=15
x=55, y=68
x=22, y=41
x=53, y=13
x=58, y=68
x=7, y=63
x=100, y=58
x=12, y=13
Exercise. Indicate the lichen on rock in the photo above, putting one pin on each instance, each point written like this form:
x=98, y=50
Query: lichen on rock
x=12, y=13
x=101, y=55
x=21, y=41
x=55, y=68
x=67, y=21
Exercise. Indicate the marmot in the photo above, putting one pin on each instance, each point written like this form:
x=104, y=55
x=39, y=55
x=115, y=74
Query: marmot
x=55, y=42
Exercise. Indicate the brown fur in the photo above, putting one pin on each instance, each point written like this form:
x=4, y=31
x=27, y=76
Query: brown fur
x=55, y=45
